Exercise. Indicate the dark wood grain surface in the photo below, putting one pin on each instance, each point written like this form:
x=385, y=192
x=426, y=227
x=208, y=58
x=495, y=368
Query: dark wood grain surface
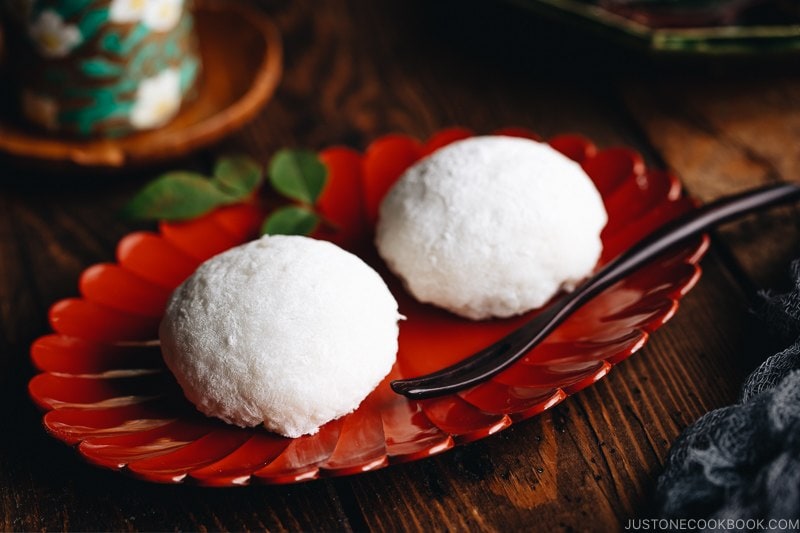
x=357, y=69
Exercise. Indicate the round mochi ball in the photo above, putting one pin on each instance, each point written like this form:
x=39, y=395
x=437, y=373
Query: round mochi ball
x=286, y=331
x=491, y=226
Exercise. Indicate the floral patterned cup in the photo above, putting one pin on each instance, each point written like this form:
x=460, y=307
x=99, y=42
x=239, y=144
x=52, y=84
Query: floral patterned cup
x=101, y=67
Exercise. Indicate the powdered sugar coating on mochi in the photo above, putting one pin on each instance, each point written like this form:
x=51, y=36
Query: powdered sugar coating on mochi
x=290, y=332
x=491, y=226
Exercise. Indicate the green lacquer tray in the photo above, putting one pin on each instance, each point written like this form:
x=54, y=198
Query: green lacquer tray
x=733, y=40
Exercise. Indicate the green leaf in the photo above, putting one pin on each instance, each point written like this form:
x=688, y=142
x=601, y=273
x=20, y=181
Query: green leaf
x=237, y=176
x=176, y=196
x=298, y=174
x=290, y=220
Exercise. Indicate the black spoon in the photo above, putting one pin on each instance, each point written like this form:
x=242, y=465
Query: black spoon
x=493, y=359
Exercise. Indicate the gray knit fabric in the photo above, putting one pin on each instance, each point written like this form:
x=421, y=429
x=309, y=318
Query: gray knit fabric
x=743, y=461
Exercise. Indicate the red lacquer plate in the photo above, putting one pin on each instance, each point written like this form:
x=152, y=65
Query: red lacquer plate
x=105, y=389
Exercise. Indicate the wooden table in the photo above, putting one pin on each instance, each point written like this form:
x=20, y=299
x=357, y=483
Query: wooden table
x=358, y=69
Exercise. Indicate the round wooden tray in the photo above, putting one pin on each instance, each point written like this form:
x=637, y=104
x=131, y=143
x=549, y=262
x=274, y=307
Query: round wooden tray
x=242, y=63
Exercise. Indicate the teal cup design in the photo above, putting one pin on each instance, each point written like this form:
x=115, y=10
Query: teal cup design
x=101, y=68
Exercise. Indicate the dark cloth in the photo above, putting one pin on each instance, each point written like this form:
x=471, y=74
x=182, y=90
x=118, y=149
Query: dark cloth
x=743, y=461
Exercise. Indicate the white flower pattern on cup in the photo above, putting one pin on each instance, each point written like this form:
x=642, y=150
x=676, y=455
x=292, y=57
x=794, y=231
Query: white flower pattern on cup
x=162, y=15
x=157, y=100
x=52, y=36
x=126, y=11
x=40, y=110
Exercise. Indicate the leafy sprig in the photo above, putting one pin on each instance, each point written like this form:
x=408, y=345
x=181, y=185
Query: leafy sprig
x=183, y=195
x=298, y=175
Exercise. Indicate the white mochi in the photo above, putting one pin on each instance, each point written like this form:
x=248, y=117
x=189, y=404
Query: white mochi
x=290, y=332
x=491, y=226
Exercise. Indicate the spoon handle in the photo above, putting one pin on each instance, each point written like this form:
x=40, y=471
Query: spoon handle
x=495, y=358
